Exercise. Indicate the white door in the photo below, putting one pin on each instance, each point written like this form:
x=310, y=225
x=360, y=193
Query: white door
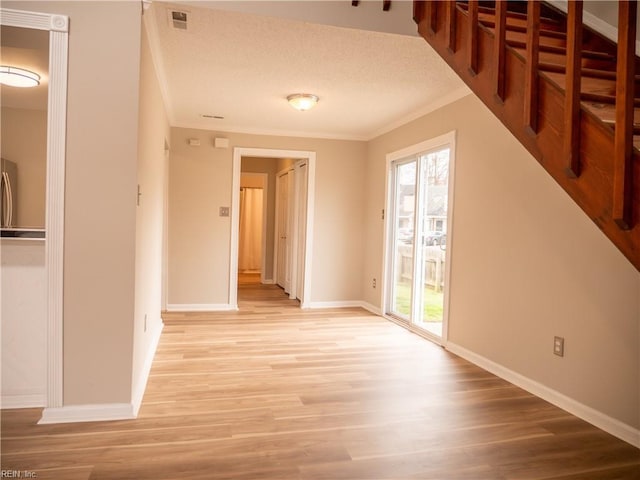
x=283, y=220
x=419, y=240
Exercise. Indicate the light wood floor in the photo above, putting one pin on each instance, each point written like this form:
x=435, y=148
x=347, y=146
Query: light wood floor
x=273, y=392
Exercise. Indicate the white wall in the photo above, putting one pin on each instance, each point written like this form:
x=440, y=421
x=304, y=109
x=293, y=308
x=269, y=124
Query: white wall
x=200, y=183
x=153, y=164
x=527, y=264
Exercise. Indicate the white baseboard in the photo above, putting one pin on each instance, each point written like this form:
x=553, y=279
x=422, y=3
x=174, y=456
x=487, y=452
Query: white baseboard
x=345, y=304
x=371, y=308
x=22, y=400
x=604, y=422
x=201, y=307
x=336, y=304
x=88, y=413
x=138, y=390
x=268, y=281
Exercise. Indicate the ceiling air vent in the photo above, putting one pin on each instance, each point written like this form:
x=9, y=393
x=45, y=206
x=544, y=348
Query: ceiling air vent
x=178, y=19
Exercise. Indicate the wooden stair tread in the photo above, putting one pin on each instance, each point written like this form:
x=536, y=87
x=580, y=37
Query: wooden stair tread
x=586, y=72
x=519, y=38
x=607, y=112
x=590, y=85
x=586, y=54
x=607, y=64
x=510, y=14
x=489, y=21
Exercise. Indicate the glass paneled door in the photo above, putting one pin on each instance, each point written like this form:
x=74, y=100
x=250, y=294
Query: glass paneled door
x=419, y=237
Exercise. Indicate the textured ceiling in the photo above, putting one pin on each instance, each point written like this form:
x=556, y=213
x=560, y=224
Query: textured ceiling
x=242, y=66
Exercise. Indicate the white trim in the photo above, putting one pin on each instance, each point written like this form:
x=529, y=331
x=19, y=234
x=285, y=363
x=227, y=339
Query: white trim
x=56, y=153
x=608, y=424
x=201, y=307
x=446, y=139
x=88, y=413
x=310, y=218
x=595, y=23
x=234, y=239
x=238, y=153
x=138, y=390
x=337, y=304
x=35, y=20
x=270, y=132
x=58, y=26
x=430, y=107
x=23, y=400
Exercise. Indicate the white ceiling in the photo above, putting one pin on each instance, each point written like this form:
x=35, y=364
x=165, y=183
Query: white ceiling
x=242, y=66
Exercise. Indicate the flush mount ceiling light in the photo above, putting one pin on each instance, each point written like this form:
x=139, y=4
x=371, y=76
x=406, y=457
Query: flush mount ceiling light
x=302, y=101
x=18, y=77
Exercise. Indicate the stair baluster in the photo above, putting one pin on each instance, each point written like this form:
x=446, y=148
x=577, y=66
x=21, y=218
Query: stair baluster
x=451, y=26
x=623, y=137
x=571, y=141
x=531, y=76
x=473, y=36
x=499, y=49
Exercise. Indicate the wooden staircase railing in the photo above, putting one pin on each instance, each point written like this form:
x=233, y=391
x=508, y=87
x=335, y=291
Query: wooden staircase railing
x=569, y=95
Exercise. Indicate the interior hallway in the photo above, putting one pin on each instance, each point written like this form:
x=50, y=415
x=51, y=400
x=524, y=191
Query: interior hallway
x=273, y=391
x=253, y=294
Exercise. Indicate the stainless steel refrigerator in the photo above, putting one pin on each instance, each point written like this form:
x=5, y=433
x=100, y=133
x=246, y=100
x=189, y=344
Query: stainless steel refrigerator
x=8, y=199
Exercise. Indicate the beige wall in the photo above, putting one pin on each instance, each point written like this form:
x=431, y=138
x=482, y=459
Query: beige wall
x=100, y=196
x=153, y=165
x=24, y=142
x=527, y=264
x=200, y=182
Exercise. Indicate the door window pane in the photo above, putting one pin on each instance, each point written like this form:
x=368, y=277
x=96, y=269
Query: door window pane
x=403, y=236
x=434, y=202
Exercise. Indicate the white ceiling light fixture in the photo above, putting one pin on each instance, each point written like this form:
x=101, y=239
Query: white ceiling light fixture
x=18, y=77
x=302, y=101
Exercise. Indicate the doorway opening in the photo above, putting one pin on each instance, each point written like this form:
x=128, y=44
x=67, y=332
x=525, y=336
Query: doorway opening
x=418, y=253
x=272, y=214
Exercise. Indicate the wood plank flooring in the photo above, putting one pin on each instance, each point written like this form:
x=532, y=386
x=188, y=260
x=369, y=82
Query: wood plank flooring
x=275, y=392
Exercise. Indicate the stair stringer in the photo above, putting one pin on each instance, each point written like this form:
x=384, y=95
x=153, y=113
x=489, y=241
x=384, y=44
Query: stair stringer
x=593, y=189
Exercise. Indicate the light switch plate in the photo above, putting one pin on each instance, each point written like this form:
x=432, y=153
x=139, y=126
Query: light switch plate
x=558, y=346
x=224, y=211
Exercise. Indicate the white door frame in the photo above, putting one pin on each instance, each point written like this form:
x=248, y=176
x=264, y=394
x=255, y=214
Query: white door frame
x=58, y=27
x=431, y=144
x=238, y=153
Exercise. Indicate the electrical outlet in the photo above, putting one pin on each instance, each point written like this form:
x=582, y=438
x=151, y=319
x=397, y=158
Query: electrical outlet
x=558, y=346
x=224, y=211
x=145, y=322
x=373, y=284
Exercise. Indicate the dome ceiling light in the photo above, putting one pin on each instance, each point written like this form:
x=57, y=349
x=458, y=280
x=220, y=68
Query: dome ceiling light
x=302, y=101
x=18, y=77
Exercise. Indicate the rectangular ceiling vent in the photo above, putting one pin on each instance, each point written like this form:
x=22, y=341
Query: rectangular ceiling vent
x=178, y=19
